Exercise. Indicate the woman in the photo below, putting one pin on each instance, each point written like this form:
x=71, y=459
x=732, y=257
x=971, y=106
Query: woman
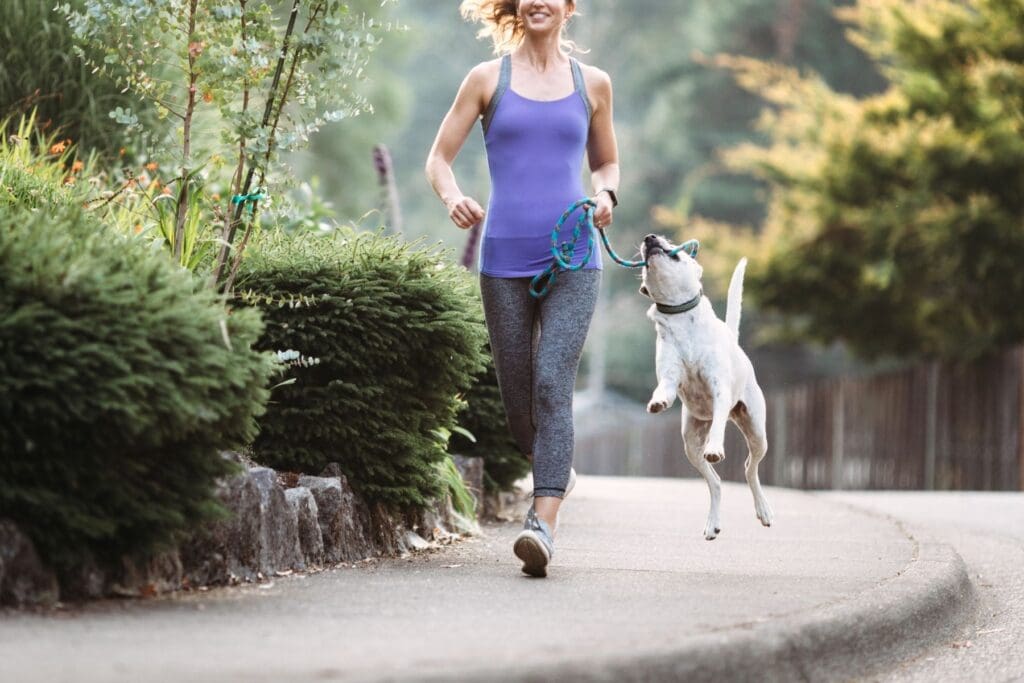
x=540, y=111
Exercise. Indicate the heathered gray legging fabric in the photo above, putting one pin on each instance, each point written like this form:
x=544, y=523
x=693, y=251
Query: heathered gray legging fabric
x=537, y=345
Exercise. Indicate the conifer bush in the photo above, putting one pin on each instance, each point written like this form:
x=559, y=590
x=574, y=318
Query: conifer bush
x=120, y=382
x=388, y=334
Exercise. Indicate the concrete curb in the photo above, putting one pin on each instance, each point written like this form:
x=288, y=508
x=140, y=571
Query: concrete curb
x=924, y=604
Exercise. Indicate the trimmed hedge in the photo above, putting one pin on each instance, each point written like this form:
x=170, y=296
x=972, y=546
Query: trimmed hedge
x=484, y=417
x=120, y=382
x=396, y=333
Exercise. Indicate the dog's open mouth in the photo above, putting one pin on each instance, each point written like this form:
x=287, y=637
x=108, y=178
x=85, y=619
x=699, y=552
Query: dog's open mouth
x=652, y=247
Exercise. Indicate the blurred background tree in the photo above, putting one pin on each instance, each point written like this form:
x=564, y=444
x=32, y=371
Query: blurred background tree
x=895, y=221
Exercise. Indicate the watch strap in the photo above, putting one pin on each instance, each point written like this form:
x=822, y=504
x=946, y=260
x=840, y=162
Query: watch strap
x=611, y=193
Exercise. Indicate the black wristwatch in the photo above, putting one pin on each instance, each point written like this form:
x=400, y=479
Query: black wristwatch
x=611, y=193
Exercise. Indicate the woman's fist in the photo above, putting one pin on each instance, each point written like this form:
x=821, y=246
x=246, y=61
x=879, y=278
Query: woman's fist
x=465, y=212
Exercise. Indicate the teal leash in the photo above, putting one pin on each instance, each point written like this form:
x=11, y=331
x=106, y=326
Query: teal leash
x=563, y=252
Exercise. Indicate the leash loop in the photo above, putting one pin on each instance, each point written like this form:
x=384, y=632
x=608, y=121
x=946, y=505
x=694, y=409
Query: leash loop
x=563, y=253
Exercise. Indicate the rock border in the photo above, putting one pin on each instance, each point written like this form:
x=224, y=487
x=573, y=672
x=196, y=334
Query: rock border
x=277, y=524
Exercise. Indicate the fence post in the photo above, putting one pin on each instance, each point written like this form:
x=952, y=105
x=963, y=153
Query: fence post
x=838, y=419
x=1020, y=421
x=779, y=427
x=931, y=425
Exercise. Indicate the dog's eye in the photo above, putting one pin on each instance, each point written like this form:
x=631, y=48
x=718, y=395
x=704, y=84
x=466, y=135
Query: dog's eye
x=675, y=257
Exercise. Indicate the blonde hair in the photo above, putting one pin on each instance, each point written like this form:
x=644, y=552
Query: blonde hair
x=501, y=23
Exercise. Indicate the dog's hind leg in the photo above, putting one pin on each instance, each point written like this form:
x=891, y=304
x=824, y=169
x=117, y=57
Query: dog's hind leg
x=695, y=432
x=750, y=416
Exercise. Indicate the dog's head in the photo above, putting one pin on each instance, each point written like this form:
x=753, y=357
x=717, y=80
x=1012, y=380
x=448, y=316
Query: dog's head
x=668, y=279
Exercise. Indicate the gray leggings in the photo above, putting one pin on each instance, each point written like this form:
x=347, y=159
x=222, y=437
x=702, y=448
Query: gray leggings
x=537, y=345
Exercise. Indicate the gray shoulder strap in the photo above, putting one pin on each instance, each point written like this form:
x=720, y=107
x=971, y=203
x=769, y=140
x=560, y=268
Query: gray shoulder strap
x=581, y=86
x=504, y=79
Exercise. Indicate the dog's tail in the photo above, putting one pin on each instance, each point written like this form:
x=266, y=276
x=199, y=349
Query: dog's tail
x=732, y=310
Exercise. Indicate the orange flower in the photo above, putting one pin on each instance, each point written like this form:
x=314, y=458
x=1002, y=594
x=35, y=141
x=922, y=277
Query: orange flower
x=77, y=166
x=151, y=166
x=70, y=180
x=121, y=153
x=58, y=148
x=166, y=190
x=138, y=228
x=215, y=197
x=207, y=97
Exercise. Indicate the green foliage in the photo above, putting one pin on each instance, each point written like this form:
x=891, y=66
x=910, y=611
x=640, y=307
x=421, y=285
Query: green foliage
x=895, y=221
x=37, y=169
x=40, y=70
x=119, y=385
x=462, y=500
x=268, y=74
x=484, y=417
x=396, y=333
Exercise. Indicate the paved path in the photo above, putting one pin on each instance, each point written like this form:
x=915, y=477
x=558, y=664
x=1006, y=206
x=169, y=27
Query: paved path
x=634, y=592
x=987, y=530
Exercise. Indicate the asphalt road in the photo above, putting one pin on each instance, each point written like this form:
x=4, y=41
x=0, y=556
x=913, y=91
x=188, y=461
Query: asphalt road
x=987, y=530
x=633, y=580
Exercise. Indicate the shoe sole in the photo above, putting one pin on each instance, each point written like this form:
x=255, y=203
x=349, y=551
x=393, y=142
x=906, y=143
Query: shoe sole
x=532, y=552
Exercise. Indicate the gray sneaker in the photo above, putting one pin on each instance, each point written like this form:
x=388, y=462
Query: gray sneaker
x=534, y=545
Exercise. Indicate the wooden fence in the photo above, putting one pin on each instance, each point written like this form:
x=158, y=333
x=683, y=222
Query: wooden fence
x=936, y=426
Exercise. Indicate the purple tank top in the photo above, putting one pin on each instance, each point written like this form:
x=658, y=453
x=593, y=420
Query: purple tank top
x=535, y=155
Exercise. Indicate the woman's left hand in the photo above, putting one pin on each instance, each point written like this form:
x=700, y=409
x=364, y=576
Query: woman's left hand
x=603, y=210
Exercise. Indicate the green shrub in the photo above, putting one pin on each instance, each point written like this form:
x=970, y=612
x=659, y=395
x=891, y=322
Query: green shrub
x=484, y=417
x=396, y=333
x=120, y=382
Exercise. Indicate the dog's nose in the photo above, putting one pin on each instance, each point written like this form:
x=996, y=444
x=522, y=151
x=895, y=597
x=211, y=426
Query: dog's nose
x=650, y=238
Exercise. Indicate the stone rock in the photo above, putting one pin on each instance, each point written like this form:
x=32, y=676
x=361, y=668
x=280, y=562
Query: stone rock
x=344, y=519
x=472, y=471
x=145, y=578
x=87, y=580
x=24, y=579
x=332, y=469
x=311, y=540
x=229, y=549
x=388, y=530
x=279, y=526
x=413, y=541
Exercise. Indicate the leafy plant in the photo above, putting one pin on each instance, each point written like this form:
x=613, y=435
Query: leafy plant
x=40, y=72
x=120, y=383
x=271, y=72
x=398, y=335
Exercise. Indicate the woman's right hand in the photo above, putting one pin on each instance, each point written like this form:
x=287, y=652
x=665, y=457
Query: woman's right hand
x=465, y=212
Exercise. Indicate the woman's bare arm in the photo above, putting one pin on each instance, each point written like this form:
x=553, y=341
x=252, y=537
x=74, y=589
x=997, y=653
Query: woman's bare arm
x=469, y=104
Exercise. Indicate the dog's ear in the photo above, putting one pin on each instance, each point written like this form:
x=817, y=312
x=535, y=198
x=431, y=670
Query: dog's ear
x=643, y=290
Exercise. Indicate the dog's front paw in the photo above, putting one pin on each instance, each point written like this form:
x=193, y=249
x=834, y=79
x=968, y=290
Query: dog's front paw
x=714, y=455
x=656, y=406
x=711, y=531
x=660, y=401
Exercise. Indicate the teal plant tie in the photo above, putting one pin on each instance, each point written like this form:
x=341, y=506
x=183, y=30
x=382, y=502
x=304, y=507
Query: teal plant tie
x=249, y=199
x=563, y=252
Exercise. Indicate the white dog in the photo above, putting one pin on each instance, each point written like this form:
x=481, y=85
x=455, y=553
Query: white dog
x=700, y=360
